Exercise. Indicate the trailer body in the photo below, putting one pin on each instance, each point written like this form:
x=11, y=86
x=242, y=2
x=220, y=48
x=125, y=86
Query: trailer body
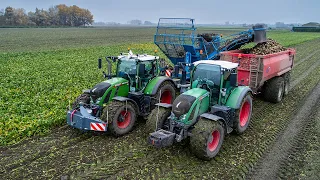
x=255, y=70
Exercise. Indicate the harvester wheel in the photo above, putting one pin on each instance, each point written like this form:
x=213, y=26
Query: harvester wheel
x=243, y=115
x=84, y=98
x=207, y=138
x=274, y=90
x=121, y=117
x=166, y=93
x=286, y=78
x=158, y=119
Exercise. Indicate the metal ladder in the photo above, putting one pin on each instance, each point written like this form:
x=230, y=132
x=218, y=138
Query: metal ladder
x=254, y=73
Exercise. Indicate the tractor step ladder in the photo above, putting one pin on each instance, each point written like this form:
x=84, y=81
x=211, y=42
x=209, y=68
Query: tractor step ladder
x=254, y=73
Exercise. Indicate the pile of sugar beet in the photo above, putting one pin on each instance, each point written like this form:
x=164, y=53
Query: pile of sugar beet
x=268, y=47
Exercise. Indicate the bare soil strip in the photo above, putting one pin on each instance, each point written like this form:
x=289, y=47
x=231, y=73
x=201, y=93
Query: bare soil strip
x=271, y=163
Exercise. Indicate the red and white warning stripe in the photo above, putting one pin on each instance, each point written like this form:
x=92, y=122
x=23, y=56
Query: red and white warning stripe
x=168, y=73
x=98, y=126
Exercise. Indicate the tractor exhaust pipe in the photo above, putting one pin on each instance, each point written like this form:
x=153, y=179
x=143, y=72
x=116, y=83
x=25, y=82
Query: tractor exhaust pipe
x=260, y=34
x=109, y=67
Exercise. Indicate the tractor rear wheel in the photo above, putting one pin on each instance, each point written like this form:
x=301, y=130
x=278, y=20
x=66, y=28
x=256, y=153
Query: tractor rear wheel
x=84, y=98
x=158, y=119
x=274, y=90
x=121, y=117
x=207, y=138
x=166, y=93
x=243, y=115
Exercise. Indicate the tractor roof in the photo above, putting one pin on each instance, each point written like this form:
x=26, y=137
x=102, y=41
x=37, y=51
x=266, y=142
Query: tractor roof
x=141, y=57
x=223, y=64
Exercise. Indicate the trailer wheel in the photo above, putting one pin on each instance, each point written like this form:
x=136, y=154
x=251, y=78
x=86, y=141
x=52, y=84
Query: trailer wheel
x=207, y=138
x=158, y=119
x=243, y=115
x=121, y=117
x=274, y=90
x=286, y=78
x=166, y=93
x=84, y=98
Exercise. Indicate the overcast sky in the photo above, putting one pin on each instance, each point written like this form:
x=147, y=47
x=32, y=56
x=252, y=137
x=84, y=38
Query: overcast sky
x=204, y=11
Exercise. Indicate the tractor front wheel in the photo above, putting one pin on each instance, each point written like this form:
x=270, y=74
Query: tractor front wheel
x=158, y=119
x=166, y=93
x=243, y=114
x=207, y=138
x=120, y=116
x=84, y=98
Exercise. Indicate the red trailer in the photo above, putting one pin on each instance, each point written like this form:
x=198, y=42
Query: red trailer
x=268, y=74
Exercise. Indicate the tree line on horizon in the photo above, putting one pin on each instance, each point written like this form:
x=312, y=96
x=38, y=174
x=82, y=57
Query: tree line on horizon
x=59, y=15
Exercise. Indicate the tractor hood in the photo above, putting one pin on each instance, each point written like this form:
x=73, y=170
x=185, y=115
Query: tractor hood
x=185, y=102
x=106, y=90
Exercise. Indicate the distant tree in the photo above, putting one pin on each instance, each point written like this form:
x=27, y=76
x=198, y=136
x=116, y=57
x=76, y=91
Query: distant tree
x=59, y=15
x=135, y=22
x=20, y=17
x=147, y=23
x=2, y=18
x=9, y=15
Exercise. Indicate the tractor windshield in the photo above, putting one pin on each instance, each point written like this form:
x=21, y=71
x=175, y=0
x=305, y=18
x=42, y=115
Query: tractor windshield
x=208, y=76
x=207, y=71
x=127, y=67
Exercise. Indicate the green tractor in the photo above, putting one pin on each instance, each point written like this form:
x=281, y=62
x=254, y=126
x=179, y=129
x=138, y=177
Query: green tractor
x=213, y=106
x=114, y=104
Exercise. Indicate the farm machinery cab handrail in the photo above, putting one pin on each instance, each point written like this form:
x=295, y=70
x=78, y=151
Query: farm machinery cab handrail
x=178, y=40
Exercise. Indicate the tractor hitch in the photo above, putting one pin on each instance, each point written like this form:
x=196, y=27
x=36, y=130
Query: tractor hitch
x=161, y=138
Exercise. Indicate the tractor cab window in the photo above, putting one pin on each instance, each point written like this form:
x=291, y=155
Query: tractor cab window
x=127, y=68
x=207, y=72
x=208, y=76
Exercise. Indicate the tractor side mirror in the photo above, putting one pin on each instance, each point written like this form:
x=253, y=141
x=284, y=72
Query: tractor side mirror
x=99, y=63
x=142, y=70
x=233, y=79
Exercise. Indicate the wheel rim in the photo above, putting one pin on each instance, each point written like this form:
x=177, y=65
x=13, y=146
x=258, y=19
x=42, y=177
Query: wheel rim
x=166, y=97
x=215, y=138
x=244, y=113
x=280, y=93
x=124, y=119
x=286, y=88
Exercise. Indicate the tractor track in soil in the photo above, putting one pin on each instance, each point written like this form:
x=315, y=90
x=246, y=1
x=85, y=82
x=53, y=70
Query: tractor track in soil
x=68, y=153
x=276, y=159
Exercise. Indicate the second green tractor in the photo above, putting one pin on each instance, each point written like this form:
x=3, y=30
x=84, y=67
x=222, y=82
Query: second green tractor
x=213, y=106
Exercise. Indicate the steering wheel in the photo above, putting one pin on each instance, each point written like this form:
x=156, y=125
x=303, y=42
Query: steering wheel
x=204, y=83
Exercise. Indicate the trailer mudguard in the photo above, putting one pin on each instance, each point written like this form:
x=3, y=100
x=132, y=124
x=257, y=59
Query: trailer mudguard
x=154, y=84
x=118, y=87
x=124, y=99
x=236, y=96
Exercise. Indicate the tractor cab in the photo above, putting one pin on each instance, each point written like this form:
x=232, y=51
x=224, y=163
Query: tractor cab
x=137, y=69
x=216, y=77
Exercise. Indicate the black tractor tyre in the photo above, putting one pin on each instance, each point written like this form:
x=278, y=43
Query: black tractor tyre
x=207, y=138
x=121, y=117
x=243, y=114
x=84, y=98
x=286, y=77
x=274, y=88
x=158, y=119
x=168, y=94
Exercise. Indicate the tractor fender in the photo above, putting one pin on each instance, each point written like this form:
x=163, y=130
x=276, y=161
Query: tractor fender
x=123, y=99
x=236, y=96
x=154, y=84
x=213, y=117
